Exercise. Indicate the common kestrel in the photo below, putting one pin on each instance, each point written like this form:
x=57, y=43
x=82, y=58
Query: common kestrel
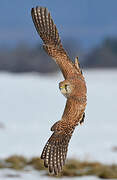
x=73, y=88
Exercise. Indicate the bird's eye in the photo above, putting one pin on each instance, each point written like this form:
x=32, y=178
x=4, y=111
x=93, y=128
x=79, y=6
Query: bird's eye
x=66, y=87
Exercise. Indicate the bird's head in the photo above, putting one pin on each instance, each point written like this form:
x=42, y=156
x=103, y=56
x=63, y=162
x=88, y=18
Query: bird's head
x=65, y=88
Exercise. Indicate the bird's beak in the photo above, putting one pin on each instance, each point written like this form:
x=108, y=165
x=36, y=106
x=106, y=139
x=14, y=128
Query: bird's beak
x=61, y=87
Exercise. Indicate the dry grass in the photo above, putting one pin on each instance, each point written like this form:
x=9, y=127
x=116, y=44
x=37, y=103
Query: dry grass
x=71, y=169
x=37, y=163
x=16, y=162
x=78, y=168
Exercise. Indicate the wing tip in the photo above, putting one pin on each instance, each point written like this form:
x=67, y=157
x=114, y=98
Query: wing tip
x=39, y=8
x=54, y=153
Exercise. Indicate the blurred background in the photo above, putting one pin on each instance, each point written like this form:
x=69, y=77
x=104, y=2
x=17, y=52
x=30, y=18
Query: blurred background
x=30, y=101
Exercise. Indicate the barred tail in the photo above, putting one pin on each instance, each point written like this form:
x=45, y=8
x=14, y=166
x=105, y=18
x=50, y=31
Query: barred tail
x=55, y=151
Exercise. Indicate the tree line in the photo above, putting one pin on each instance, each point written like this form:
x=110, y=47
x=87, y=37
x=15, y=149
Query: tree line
x=25, y=58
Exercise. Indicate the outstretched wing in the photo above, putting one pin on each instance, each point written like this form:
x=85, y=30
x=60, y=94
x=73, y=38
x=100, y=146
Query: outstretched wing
x=52, y=43
x=55, y=151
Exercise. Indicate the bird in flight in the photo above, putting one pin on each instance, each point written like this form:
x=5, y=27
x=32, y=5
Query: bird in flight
x=73, y=88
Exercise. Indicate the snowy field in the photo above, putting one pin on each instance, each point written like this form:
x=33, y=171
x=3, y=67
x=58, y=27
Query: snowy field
x=30, y=104
x=34, y=175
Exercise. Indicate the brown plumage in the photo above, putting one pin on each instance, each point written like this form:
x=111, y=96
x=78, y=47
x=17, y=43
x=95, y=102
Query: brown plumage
x=73, y=88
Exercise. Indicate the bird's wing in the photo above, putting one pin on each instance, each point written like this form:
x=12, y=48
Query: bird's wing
x=55, y=150
x=52, y=43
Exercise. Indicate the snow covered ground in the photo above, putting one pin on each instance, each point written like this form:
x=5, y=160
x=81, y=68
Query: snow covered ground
x=7, y=174
x=30, y=104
